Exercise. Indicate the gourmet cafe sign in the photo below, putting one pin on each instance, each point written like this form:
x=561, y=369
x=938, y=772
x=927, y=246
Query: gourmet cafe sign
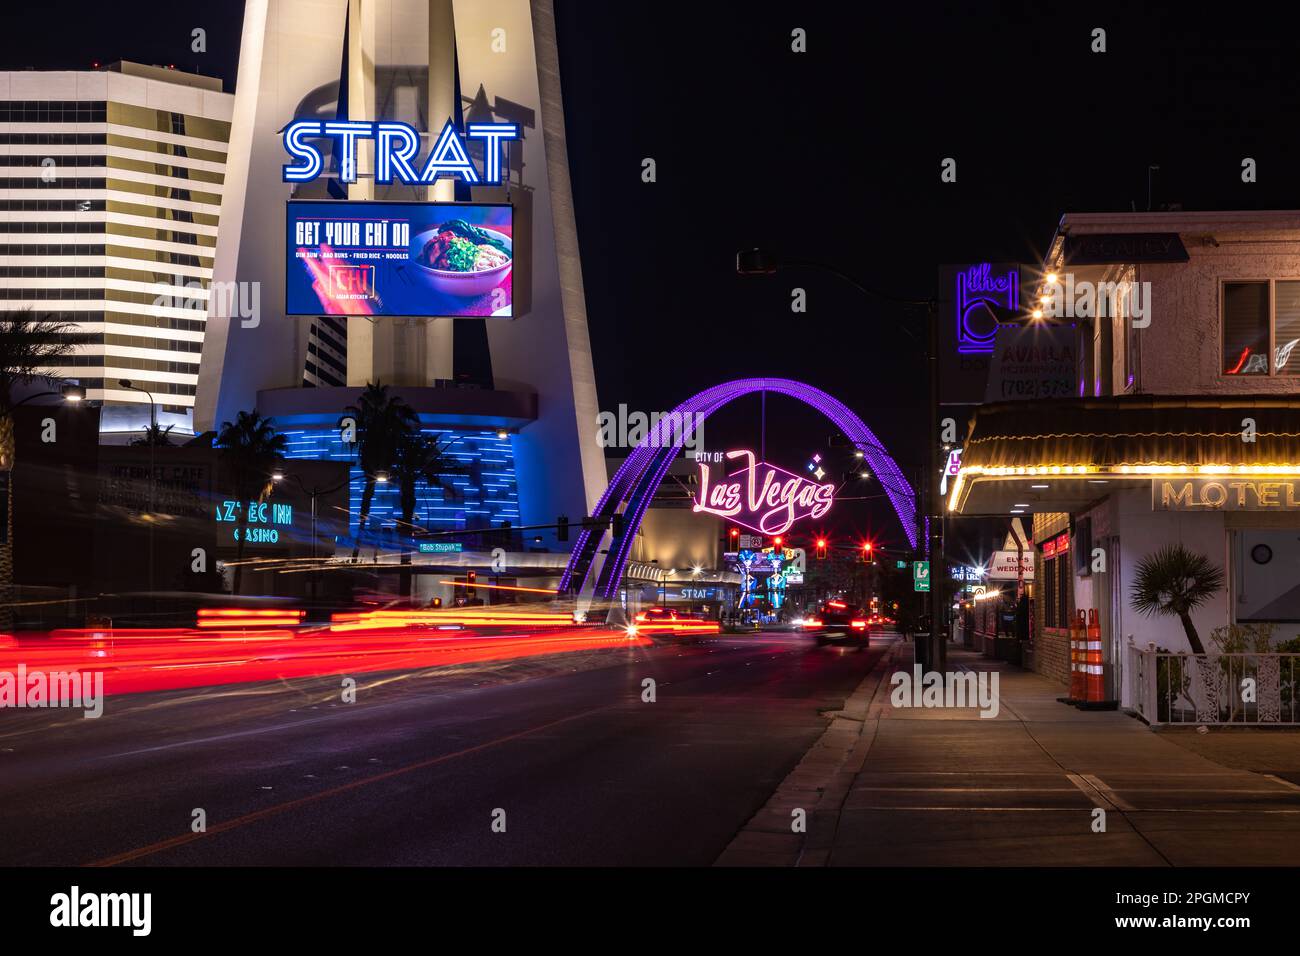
x=1225, y=494
x=758, y=495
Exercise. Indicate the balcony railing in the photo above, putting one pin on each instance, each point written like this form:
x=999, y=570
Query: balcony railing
x=1243, y=689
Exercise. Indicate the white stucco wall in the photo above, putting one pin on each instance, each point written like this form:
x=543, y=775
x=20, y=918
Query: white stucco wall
x=1181, y=350
x=1142, y=531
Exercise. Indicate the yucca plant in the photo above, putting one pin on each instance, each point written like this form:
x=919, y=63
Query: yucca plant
x=1174, y=581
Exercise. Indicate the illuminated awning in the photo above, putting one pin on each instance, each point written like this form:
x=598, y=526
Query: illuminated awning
x=1062, y=455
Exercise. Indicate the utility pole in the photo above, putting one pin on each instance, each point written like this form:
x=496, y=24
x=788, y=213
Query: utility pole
x=938, y=656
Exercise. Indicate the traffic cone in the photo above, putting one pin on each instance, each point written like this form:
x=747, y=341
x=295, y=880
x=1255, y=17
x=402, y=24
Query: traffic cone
x=1095, y=669
x=1096, y=685
x=1079, y=678
x=1078, y=667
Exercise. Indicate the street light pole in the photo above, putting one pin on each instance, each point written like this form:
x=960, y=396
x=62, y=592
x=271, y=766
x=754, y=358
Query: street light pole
x=938, y=565
x=71, y=394
x=313, y=493
x=153, y=436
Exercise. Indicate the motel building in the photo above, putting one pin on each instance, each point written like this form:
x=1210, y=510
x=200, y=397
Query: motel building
x=1181, y=427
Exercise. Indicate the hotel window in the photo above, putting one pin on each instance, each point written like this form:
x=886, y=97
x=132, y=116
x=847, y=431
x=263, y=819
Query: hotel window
x=1261, y=327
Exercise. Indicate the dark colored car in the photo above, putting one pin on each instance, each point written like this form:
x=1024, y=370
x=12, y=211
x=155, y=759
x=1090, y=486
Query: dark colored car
x=837, y=619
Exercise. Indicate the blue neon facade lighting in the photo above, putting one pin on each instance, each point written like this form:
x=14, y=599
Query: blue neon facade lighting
x=482, y=495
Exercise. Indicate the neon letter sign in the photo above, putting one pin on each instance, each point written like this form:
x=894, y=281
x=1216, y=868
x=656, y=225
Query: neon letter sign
x=762, y=497
x=977, y=285
x=396, y=144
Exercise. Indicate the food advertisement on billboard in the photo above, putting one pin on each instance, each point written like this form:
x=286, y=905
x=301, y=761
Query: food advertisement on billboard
x=399, y=259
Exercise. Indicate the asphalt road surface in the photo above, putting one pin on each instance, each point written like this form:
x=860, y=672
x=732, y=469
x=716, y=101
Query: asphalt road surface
x=562, y=750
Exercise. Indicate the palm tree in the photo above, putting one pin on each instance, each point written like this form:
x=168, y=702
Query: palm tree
x=1174, y=581
x=253, y=449
x=382, y=422
x=419, y=458
x=154, y=435
x=28, y=349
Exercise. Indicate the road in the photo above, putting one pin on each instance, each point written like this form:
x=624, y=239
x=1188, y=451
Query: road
x=561, y=749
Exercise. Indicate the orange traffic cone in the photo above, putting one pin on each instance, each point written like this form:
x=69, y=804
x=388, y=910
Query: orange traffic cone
x=1092, y=659
x=1078, y=648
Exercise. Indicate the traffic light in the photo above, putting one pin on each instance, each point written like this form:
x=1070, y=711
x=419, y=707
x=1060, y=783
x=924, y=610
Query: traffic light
x=821, y=549
x=776, y=542
x=562, y=528
x=866, y=552
x=734, y=535
x=470, y=578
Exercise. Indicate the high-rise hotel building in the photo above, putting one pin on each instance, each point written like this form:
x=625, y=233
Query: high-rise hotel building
x=110, y=192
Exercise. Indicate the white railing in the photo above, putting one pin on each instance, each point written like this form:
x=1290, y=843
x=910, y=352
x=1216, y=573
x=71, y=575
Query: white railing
x=1187, y=688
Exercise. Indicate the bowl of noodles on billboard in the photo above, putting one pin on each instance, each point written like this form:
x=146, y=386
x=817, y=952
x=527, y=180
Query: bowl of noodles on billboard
x=460, y=259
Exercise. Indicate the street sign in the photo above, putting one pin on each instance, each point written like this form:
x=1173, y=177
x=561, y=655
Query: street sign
x=442, y=547
x=901, y=565
x=920, y=575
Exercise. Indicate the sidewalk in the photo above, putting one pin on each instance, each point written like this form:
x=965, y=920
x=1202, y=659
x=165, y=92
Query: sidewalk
x=907, y=786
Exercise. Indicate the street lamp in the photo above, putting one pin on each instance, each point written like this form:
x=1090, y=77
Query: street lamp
x=69, y=393
x=153, y=428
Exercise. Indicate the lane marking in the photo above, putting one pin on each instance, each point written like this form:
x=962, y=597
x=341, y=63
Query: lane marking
x=1091, y=792
x=1103, y=788
x=227, y=825
x=1276, y=779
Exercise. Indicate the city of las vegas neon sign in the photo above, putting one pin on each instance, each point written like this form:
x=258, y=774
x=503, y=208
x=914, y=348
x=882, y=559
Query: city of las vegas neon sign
x=761, y=496
x=396, y=144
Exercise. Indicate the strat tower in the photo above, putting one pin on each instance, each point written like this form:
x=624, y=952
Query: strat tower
x=363, y=239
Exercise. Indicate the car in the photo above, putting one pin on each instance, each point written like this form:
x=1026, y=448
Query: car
x=657, y=615
x=836, y=619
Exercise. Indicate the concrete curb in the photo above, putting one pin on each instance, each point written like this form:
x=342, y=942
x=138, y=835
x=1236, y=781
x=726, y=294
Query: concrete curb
x=818, y=785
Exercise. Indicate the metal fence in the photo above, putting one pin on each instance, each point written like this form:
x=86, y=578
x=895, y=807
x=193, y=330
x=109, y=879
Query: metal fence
x=1244, y=688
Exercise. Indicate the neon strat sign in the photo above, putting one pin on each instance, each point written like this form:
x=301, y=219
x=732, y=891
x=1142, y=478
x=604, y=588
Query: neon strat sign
x=760, y=496
x=395, y=146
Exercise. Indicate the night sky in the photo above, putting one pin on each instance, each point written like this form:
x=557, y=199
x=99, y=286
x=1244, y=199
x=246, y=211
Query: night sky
x=832, y=155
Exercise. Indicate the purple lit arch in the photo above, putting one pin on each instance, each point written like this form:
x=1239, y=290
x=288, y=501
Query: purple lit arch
x=634, y=484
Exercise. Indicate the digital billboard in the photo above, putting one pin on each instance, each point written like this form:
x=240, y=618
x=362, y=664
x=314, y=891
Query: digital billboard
x=399, y=259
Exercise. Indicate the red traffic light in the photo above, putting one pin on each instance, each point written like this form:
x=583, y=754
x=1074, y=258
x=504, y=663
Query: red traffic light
x=735, y=532
x=821, y=542
x=777, y=540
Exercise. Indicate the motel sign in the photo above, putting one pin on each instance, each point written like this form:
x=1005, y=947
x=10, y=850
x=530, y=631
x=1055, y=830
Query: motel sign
x=1225, y=494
